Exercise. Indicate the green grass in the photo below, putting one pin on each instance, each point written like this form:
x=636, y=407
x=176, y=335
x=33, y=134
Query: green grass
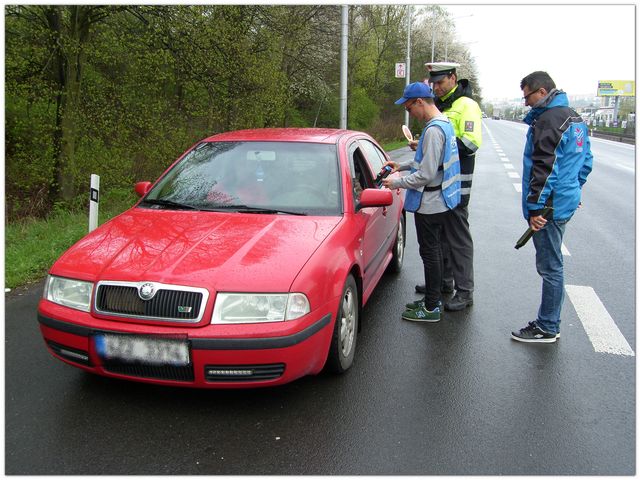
x=394, y=145
x=32, y=245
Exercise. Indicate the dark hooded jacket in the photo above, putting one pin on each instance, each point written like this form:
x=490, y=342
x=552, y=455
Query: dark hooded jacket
x=557, y=157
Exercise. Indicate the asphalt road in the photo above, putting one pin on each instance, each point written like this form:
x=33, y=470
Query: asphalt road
x=457, y=397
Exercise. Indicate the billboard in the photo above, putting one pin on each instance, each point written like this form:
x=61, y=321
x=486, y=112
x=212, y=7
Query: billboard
x=616, y=88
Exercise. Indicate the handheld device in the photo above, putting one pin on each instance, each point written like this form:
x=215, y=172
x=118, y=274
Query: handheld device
x=407, y=133
x=384, y=173
x=546, y=213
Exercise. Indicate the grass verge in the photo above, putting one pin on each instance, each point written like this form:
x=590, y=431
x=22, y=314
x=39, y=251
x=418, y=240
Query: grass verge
x=394, y=145
x=32, y=245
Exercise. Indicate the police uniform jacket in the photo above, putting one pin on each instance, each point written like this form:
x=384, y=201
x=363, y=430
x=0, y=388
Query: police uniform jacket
x=466, y=117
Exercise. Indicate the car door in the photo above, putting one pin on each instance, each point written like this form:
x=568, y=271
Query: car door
x=373, y=218
x=376, y=158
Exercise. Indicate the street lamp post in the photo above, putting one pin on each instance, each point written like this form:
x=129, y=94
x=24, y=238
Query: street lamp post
x=408, y=61
x=344, y=45
x=446, y=40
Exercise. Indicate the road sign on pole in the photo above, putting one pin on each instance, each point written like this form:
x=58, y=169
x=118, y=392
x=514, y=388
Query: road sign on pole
x=401, y=70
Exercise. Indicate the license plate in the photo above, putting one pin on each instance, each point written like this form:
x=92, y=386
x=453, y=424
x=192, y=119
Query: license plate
x=147, y=350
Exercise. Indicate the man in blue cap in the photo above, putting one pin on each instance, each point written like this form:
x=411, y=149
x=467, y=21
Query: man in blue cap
x=433, y=191
x=454, y=99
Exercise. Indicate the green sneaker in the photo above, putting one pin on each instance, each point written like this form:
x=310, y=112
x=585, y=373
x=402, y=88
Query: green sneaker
x=419, y=303
x=422, y=315
x=414, y=305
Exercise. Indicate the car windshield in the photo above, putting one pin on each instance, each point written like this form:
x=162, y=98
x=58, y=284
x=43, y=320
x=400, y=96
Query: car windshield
x=257, y=177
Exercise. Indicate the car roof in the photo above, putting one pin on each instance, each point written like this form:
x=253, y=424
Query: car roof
x=310, y=135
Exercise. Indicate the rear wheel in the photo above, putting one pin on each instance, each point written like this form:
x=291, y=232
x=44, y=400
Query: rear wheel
x=398, y=248
x=345, y=330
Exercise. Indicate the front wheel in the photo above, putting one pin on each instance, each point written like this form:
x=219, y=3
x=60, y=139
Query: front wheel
x=345, y=329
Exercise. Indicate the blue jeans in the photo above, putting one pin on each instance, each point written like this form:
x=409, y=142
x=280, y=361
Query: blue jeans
x=549, y=263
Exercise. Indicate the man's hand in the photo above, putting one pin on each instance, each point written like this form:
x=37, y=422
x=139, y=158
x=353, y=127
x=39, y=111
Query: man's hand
x=538, y=222
x=387, y=182
x=393, y=165
x=413, y=145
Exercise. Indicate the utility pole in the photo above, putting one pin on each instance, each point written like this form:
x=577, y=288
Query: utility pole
x=344, y=46
x=433, y=42
x=408, y=61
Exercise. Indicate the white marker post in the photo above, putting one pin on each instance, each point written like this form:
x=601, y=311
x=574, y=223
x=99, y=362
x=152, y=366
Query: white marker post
x=93, y=202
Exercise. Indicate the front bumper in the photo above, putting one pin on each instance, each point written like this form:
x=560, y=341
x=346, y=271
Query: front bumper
x=215, y=362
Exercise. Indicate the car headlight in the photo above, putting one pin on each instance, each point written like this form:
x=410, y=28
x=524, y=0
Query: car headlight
x=68, y=292
x=233, y=308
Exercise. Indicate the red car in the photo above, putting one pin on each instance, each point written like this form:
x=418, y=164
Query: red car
x=246, y=264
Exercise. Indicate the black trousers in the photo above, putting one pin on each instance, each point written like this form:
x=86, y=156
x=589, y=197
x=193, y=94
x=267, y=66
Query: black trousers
x=457, y=251
x=430, y=230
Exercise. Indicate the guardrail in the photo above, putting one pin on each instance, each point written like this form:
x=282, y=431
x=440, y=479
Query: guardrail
x=596, y=134
x=613, y=137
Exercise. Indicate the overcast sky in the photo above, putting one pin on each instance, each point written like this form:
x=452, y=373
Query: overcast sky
x=576, y=44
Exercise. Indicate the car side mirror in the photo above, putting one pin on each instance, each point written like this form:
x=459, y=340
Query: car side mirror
x=374, y=197
x=142, y=188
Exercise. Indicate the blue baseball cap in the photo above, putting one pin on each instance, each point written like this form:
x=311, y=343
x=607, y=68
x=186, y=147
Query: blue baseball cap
x=416, y=90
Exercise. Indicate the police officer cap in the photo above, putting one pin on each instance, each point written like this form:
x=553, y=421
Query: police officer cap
x=439, y=70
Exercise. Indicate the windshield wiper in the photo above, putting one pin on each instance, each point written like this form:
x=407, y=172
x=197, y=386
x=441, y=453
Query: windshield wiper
x=250, y=209
x=169, y=203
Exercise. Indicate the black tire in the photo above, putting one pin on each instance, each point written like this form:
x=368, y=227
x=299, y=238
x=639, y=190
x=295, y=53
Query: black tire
x=395, y=266
x=345, y=330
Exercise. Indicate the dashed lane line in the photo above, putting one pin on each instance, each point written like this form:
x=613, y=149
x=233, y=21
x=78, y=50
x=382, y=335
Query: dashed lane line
x=604, y=334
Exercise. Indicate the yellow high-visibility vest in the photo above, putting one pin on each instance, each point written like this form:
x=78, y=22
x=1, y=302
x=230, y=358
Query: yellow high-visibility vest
x=466, y=117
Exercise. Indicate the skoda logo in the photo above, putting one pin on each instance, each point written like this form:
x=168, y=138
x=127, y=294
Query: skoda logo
x=146, y=291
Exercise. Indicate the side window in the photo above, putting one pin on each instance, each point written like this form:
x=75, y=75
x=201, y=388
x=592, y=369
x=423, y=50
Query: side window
x=375, y=157
x=360, y=172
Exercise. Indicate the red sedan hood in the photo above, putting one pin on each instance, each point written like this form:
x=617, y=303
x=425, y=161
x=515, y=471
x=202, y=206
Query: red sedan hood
x=219, y=251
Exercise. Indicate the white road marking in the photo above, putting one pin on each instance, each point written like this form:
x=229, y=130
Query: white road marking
x=508, y=166
x=564, y=250
x=518, y=187
x=513, y=174
x=504, y=159
x=604, y=334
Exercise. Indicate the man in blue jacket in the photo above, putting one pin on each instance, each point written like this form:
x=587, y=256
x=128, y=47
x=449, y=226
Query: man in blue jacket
x=557, y=159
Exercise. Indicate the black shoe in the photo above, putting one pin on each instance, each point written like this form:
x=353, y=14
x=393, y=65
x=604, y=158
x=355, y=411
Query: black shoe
x=532, y=334
x=447, y=288
x=444, y=289
x=460, y=301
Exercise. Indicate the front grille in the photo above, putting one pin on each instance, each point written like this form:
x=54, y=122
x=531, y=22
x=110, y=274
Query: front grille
x=72, y=354
x=242, y=373
x=160, y=372
x=169, y=303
